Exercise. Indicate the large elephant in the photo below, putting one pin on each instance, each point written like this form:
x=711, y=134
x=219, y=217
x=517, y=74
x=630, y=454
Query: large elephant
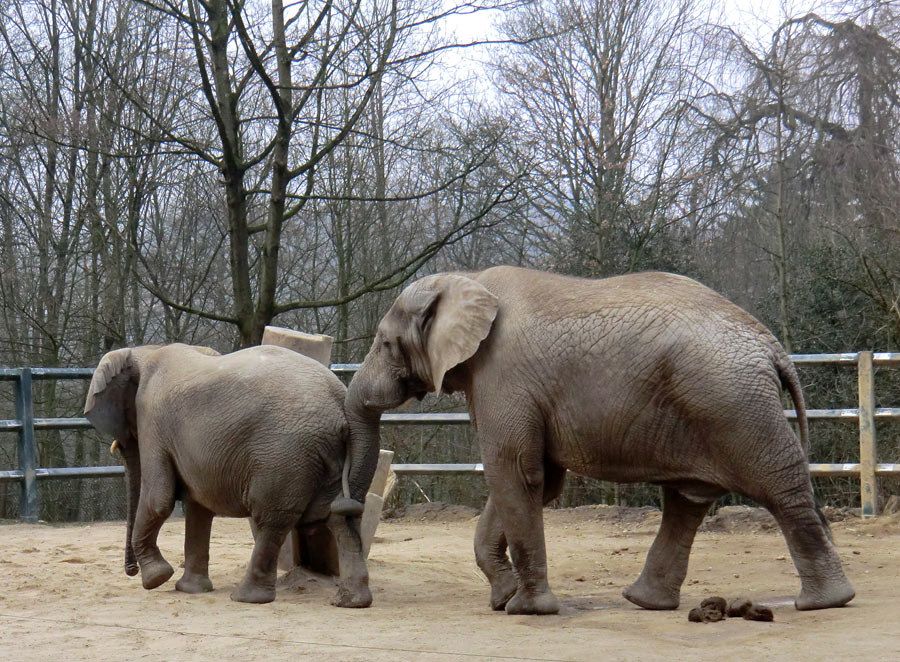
x=647, y=377
x=260, y=433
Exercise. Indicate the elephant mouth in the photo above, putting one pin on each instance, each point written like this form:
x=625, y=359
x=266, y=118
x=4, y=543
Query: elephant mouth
x=416, y=388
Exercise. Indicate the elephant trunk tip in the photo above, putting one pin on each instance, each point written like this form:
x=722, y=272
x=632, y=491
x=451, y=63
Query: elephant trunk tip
x=131, y=569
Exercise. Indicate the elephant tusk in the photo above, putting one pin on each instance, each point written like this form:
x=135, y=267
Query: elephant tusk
x=113, y=446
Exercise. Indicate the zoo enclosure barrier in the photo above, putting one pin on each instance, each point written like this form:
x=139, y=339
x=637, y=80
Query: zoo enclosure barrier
x=865, y=415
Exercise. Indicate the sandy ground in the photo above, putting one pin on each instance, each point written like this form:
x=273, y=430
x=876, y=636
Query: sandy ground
x=64, y=596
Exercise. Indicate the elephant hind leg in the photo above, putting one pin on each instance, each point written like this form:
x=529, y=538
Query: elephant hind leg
x=659, y=585
x=822, y=578
x=491, y=557
x=197, y=527
x=258, y=585
x=777, y=477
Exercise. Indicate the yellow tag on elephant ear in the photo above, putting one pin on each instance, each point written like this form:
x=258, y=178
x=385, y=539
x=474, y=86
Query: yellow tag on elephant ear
x=113, y=446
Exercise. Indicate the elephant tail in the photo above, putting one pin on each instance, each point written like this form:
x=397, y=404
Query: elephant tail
x=345, y=504
x=787, y=373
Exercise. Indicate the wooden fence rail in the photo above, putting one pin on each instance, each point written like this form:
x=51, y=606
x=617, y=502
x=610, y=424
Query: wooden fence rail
x=868, y=469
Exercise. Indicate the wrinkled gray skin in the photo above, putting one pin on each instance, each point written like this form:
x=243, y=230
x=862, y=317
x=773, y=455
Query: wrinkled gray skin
x=259, y=433
x=647, y=377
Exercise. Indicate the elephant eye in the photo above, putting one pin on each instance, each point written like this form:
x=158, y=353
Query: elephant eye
x=393, y=348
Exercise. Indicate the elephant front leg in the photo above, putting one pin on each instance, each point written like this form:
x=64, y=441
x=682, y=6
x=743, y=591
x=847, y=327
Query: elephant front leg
x=659, y=586
x=197, y=527
x=154, y=507
x=258, y=585
x=516, y=484
x=353, y=589
x=490, y=555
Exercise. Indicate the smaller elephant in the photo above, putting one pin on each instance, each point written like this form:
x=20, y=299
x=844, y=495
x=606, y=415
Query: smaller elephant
x=259, y=433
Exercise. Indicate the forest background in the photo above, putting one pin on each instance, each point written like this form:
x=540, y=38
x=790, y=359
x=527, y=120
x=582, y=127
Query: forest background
x=193, y=170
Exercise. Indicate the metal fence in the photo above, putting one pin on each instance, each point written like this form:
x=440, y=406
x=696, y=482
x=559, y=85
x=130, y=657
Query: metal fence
x=865, y=415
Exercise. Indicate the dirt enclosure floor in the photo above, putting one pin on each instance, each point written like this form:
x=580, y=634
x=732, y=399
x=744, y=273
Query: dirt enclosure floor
x=64, y=596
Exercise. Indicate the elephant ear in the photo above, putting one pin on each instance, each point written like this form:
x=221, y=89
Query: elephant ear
x=452, y=314
x=111, y=394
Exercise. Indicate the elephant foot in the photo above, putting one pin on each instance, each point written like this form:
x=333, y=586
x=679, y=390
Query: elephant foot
x=253, y=593
x=540, y=603
x=357, y=599
x=503, y=588
x=193, y=583
x=155, y=573
x=648, y=597
x=836, y=594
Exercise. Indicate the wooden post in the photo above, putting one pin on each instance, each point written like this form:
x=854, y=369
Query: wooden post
x=379, y=491
x=27, y=451
x=314, y=345
x=868, y=486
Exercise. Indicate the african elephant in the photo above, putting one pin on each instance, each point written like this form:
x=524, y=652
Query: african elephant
x=648, y=377
x=260, y=433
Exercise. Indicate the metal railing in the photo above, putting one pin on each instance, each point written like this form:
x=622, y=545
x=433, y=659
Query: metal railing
x=865, y=415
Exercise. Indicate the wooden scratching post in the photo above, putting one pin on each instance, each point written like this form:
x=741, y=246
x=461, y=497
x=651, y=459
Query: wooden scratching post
x=314, y=345
x=382, y=485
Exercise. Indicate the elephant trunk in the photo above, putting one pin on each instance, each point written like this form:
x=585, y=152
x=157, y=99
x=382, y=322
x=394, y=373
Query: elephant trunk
x=362, y=452
x=132, y=459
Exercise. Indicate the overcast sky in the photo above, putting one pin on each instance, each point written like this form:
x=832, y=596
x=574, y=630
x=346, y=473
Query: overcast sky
x=757, y=16
x=754, y=19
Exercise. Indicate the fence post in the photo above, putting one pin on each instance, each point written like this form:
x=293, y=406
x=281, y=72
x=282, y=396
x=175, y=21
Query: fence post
x=28, y=496
x=868, y=487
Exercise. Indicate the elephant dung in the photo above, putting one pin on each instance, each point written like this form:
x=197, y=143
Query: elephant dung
x=738, y=607
x=314, y=345
x=715, y=602
x=711, y=610
x=714, y=609
x=705, y=615
x=759, y=613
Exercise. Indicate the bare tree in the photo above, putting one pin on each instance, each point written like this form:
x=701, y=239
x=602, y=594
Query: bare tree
x=283, y=91
x=594, y=92
x=809, y=146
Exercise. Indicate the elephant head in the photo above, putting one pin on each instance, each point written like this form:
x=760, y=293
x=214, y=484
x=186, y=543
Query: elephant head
x=110, y=407
x=435, y=324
